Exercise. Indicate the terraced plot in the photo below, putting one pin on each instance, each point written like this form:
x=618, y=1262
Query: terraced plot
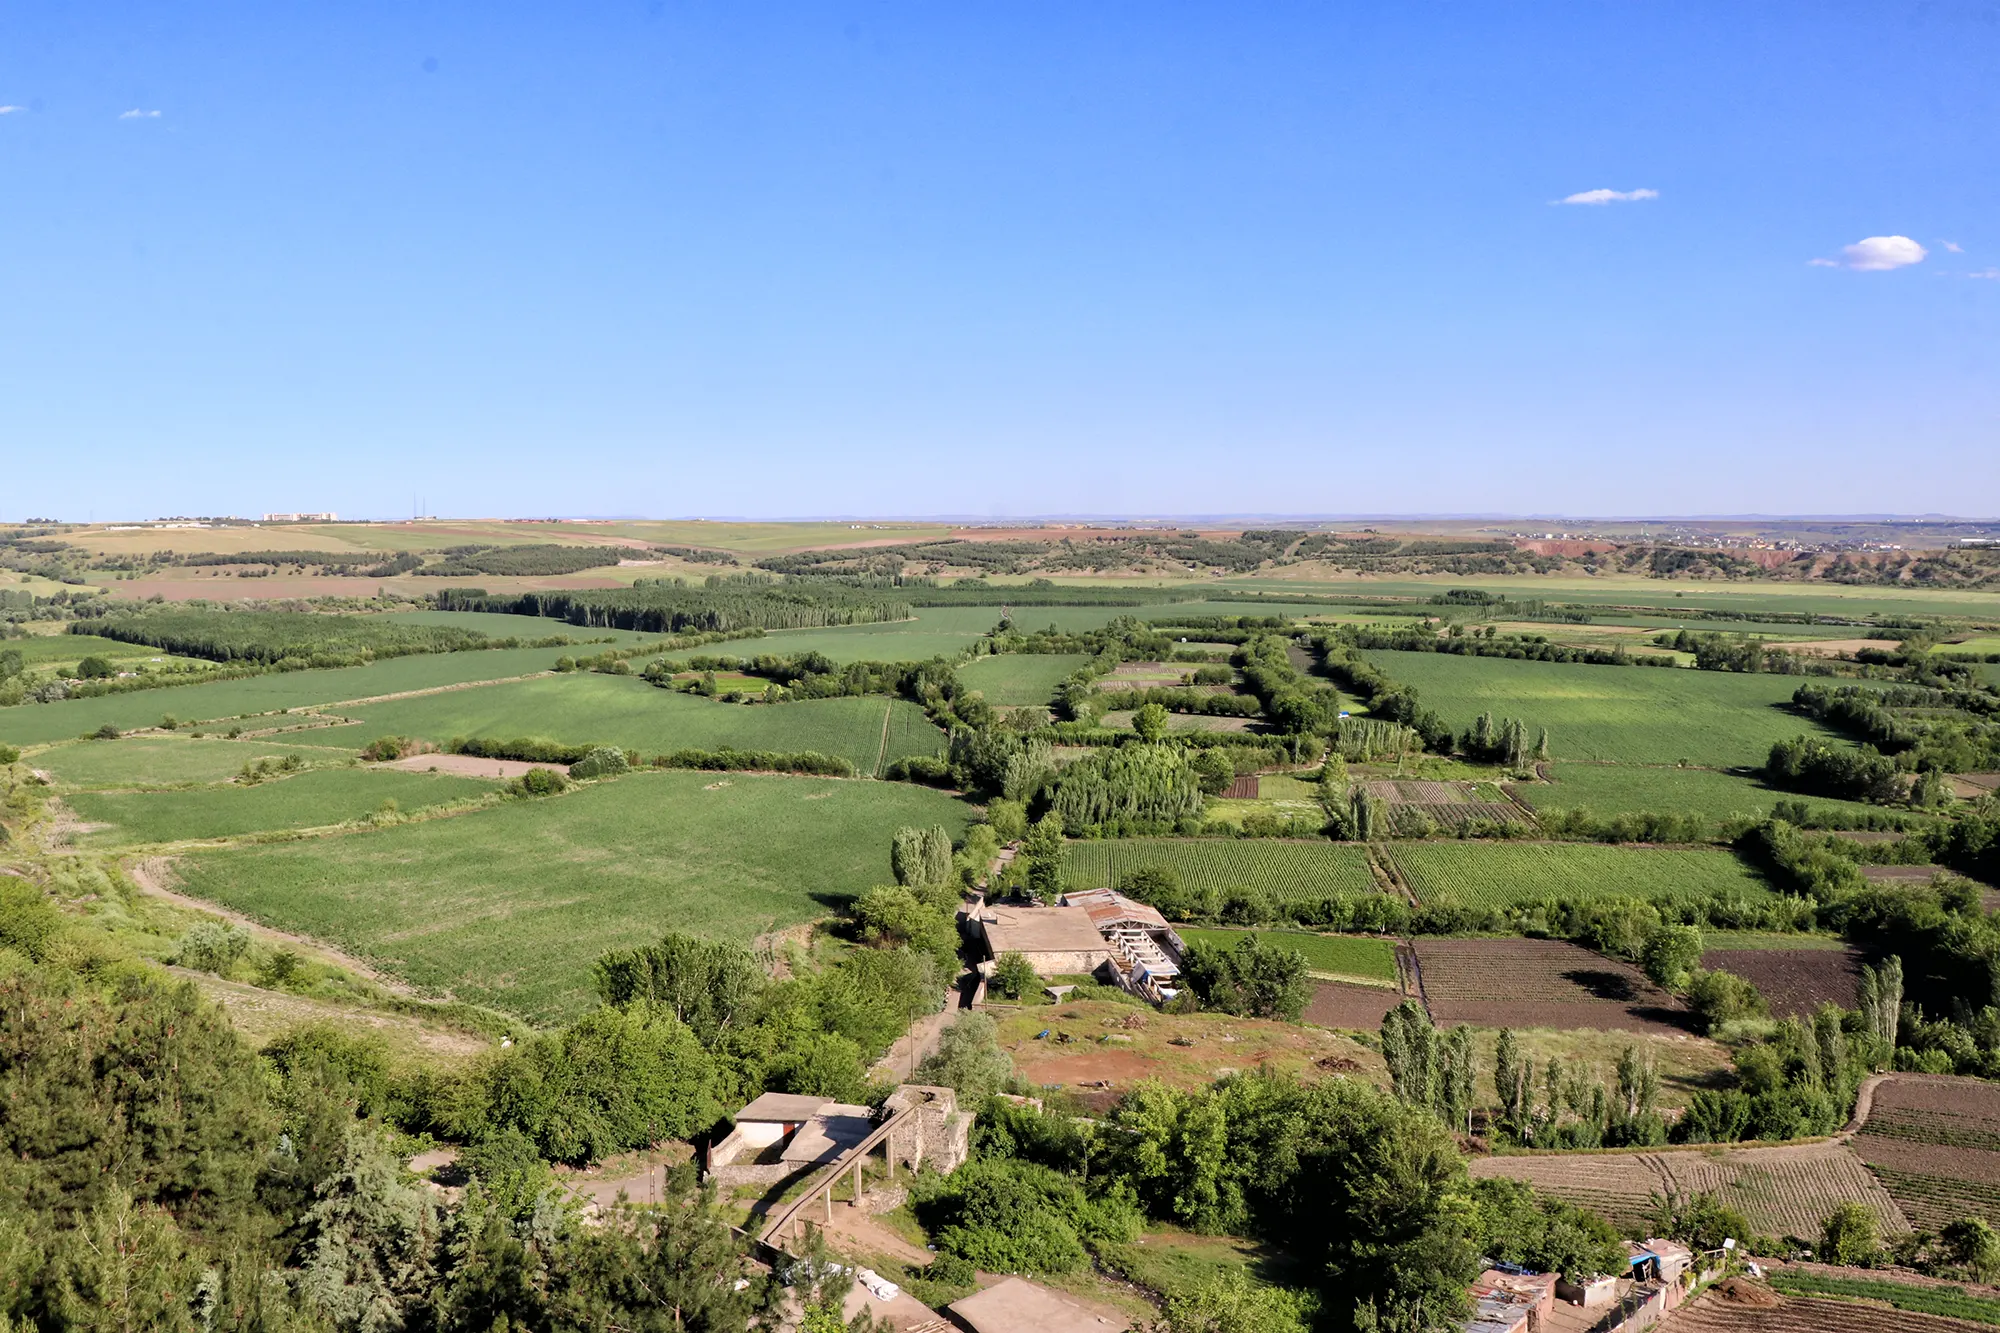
x=1503, y=874
x=1935, y=1144
x=1782, y=1191
x=1715, y=1313
x=509, y=906
x=1634, y=715
x=1286, y=869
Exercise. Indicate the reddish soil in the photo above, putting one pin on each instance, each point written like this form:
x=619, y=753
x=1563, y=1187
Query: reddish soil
x=1570, y=549
x=1715, y=1312
x=1339, y=1004
x=1541, y=984
x=1794, y=981
x=468, y=766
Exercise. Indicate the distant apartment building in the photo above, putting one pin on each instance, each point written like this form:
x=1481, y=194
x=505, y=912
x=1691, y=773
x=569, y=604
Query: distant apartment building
x=328, y=517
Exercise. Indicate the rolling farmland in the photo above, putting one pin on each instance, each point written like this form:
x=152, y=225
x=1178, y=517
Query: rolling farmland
x=509, y=906
x=1619, y=789
x=1635, y=715
x=1935, y=1145
x=1019, y=679
x=1517, y=983
x=1507, y=873
x=1289, y=870
x=153, y=761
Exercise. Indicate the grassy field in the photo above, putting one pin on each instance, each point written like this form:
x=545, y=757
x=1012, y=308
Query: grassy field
x=625, y=711
x=1349, y=957
x=509, y=906
x=1635, y=715
x=34, y=724
x=1287, y=870
x=153, y=761
x=1617, y=789
x=306, y=800
x=42, y=650
x=501, y=626
x=1498, y=874
x=1019, y=678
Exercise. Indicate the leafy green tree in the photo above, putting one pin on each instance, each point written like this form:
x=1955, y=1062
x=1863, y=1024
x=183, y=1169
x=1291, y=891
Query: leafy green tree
x=1972, y=1245
x=1228, y=1303
x=1014, y=976
x=370, y=1250
x=1214, y=770
x=1718, y=998
x=892, y=914
x=1150, y=721
x=668, y=1268
x=1513, y=1085
x=1670, y=954
x=1517, y=1225
x=968, y=1059
x=1850, y=1235
x=1255, y=979
x=707, y=984
x=1411, y=1049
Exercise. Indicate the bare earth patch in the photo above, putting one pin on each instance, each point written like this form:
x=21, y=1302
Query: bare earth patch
x=469, y=766
x=1541, y=984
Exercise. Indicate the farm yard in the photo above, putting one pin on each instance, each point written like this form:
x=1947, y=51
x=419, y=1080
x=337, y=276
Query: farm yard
x=1783, y=1191
x=1633, y=715
x=1288, y=870
x=1508, y=873
x=1935, y=1145
x=1520, y=983
x=509, y=906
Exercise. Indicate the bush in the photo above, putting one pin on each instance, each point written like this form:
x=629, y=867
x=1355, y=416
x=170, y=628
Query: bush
x=1008, y=1216
x=602, y=762
x=28, y=920
x=95, y=668
x=9, y=754
x=1850, y=1236
x=538, y=782
x=1722, y=997
x=1014, y=976
x=385, y=748
x=107, y=732
x=968, y=1059
x=212, y=946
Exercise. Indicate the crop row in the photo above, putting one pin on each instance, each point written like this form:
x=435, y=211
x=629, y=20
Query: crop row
x=1286, y=869
x=1950, y=1302
x=1916, y=1126
x=1504, y=874
x=1932, y=1200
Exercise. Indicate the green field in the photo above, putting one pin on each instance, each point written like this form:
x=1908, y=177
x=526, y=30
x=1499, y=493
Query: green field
x=1634, y=715
x=34, y=724
x=1019, y=678
x=1347, y=956
x=1619, y=789
x=509, y=906
x=499, y=626
x=1944, y=1301
x=627, y=712
x=152, y=761
x=1500, y=874
x=41, y=650
x=306, y=800
x=1286, y=869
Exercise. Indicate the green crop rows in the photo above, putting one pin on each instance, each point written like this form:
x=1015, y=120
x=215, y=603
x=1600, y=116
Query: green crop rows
x=1502, y=874
x=1621, y=789
x=1019, y=678
x=1337, y=955
x=1634, y=715
x=627, y=712
x=311, y=799
x=1285, y=869
x=1949, y=1302
x=509, y=906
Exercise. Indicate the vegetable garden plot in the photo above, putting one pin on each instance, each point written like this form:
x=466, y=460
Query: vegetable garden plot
x=1287, y=869
x=1714, y=1313
x=1796, y=982
x=1501, y=874
x=1935, y=1144
x=1540, y=984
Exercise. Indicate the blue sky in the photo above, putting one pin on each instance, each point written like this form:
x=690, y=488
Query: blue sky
x=769, y=259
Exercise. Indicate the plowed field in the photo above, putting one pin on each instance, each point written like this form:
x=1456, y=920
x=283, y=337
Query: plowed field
x=1339, y=1004
x=1794, y=981
x=1935, y=1144
x=1783, y=1191
x=1540, y=984
x=1800, y=1314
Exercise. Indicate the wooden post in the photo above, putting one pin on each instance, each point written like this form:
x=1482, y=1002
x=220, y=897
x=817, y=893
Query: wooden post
x=857, y=1178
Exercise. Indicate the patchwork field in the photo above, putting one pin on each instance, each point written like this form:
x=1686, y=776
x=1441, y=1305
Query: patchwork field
x=1287, y=869
x=1935, y=1145
x=1624, y=789
x=1795, y=982
x=36, y=724
x=585, y=707
x=1636, y=715
x=305, y=800
x=1346, y=956
x=1518, y=983
x=152, y=761
x=1501, y=874
x=1782, y=1191
x=1019, y=679
x=509, y=906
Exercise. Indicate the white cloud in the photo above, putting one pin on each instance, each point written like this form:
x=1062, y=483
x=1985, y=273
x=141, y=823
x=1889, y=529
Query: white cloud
x=1992, y=274
x=136, y=114
x=10, y=110
x=1609, y=197
x=1824, y=263
x=1879, y=254
x=1953, y=246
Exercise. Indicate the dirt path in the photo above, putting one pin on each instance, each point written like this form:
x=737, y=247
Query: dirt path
x=263, y=1014
x=152, y=875
x=467, y=766
x=919, y=1043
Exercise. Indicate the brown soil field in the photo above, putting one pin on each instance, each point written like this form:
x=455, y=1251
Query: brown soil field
x=1794, y=981
x=1935, y=1144
x=1540, y=984
x=1715, y=1312
x=1121, y=720
x=1340, y=1004
x=468, y=766
x=1783, y=1191
x=1898, y=874
x=1835, y=647
x=1972, y=786
x=1181, y=1050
